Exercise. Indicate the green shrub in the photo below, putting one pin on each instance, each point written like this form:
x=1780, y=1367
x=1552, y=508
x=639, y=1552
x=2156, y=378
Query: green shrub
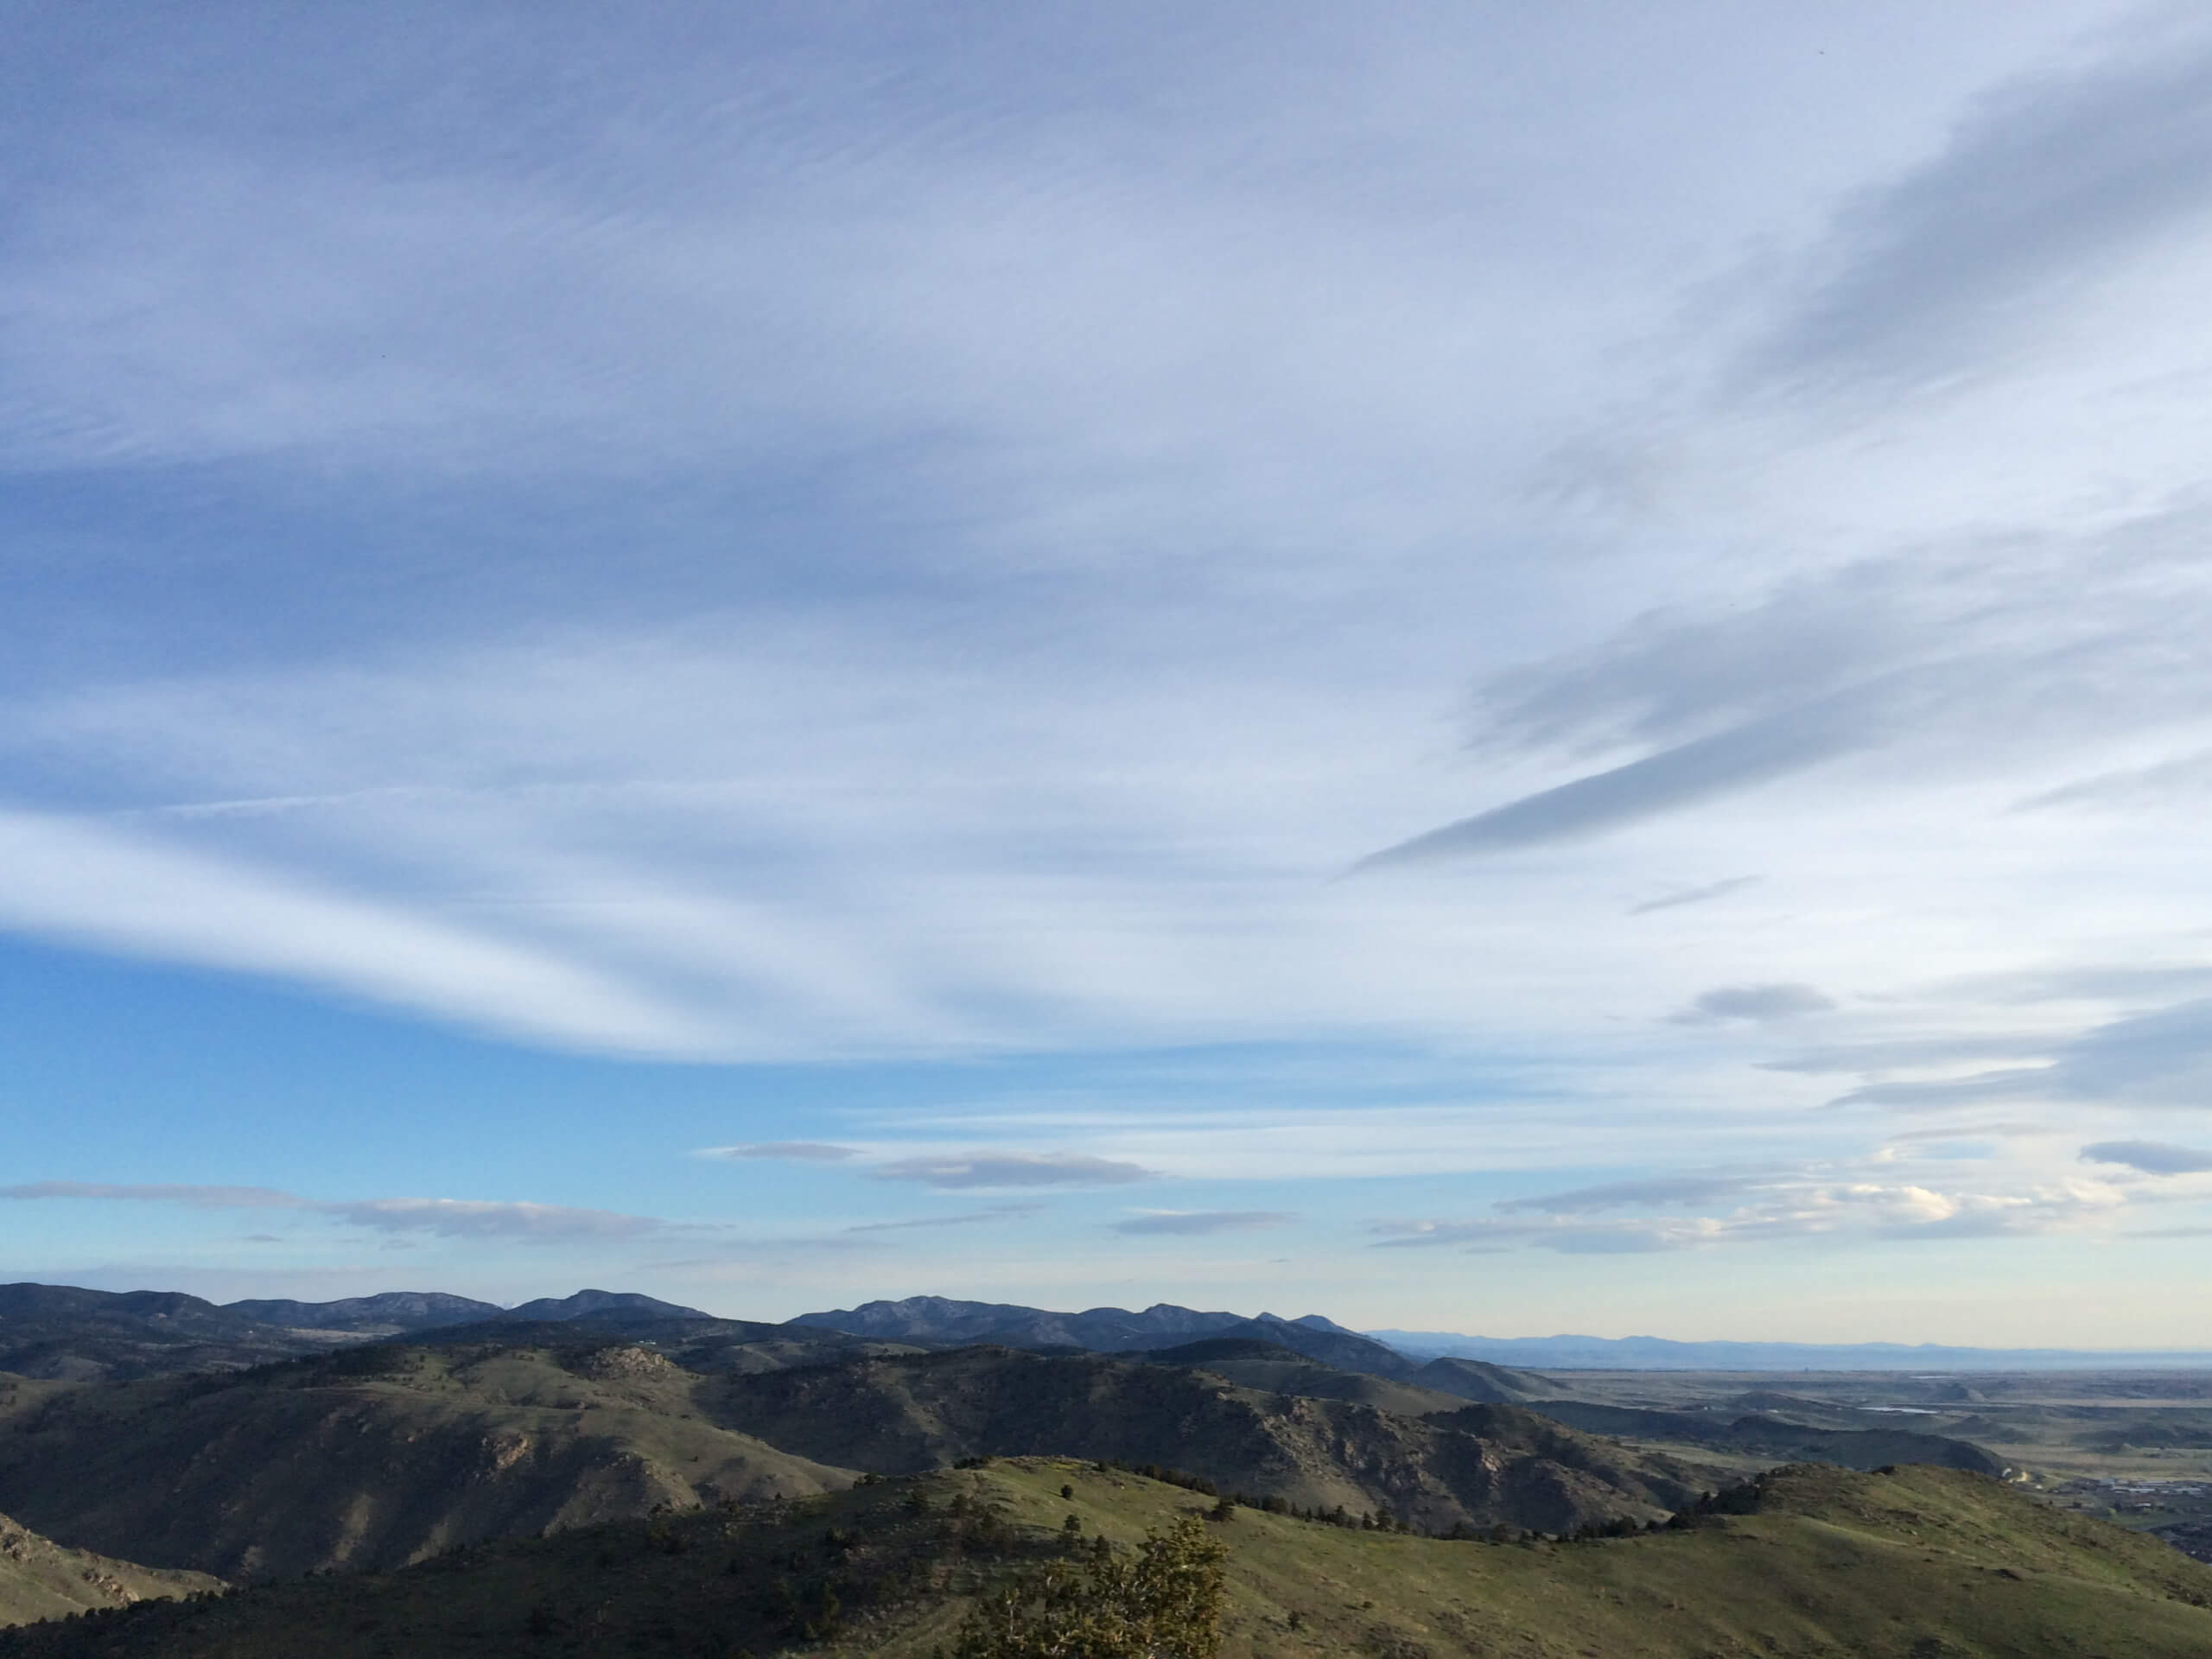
x=1163, y=1602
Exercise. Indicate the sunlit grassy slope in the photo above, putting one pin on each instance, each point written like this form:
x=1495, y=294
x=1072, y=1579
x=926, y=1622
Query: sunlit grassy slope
x=39, y=1578
x=1922, y=1563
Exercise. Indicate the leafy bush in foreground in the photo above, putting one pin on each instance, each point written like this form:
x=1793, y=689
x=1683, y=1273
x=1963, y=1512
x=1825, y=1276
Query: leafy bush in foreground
x=1163, y=1602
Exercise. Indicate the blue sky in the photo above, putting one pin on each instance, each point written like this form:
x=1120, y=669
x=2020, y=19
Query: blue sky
x=1490, y=668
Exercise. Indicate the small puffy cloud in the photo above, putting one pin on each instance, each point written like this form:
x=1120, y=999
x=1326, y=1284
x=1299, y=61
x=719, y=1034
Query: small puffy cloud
x=1753, y=1003
x=1203, y=1221
x=2151, y=1157
x=800, y=1151
x=979, y=1169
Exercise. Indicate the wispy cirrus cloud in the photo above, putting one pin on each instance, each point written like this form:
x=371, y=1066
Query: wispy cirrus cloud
x=488, y=1218
x=1705, y=894
x=702, y=477
x=196, y=1198
x=2150, y=1157
x=966, y=1218
x=520, y=1221
x=2182, y=778
x=951, y=1171
x=84, y=882
x=1684, y=1189
x=1015, y=1169
x=2162, y=1057
x=1182, y=1223
x=2045, y=186
x=1784, y=1209
x=1701, y=769
x=1755, y=1003
x=1877, y=1054
x=1963, y=1131
x=1952, y=663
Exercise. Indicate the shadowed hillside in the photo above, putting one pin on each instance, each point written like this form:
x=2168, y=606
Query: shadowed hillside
x=902, y=1416
x=373, y=1457
x=1917, y=1565
x=1488, y=1385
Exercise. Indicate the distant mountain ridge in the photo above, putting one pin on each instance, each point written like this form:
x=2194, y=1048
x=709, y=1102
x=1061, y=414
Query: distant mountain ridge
x=1105, y=1330
x=67, y=1333
x=598, y=1305
x=389, y=1311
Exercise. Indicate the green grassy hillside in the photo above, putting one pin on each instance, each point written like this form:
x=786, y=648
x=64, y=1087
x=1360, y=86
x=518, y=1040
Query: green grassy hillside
x=1925, y=1563
x=40, y=1579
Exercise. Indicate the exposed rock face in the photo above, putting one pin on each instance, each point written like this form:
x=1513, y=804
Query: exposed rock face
x=627, y=1363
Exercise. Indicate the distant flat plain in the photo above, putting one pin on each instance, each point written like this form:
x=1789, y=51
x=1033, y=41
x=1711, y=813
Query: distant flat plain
x=2134, y=1446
